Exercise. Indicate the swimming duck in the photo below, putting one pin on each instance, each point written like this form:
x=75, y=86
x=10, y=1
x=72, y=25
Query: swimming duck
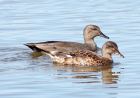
x=86, y=57
x=89, y=33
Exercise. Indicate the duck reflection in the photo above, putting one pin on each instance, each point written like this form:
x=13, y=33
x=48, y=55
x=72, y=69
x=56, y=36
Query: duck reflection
x=93, y=74
x=36, y=54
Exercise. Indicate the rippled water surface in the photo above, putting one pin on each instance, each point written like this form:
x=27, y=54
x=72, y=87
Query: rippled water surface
x=23, y=76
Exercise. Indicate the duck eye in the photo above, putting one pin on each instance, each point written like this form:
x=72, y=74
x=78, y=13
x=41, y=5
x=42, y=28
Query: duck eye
x=94, y=29
x=109, y=47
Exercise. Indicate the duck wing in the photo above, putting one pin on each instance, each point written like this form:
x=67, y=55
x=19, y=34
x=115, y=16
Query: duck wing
x=61, y=46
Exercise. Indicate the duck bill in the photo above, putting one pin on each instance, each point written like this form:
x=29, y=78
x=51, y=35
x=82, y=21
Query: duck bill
x=103, y=35
x=120, y=53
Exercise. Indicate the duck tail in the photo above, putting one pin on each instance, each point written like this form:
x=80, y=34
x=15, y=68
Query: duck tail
x=33, y=47
x=36, y=49
x=49, y=53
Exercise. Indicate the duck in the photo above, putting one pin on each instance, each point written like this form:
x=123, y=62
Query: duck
x=89, y=33
x=86, y=57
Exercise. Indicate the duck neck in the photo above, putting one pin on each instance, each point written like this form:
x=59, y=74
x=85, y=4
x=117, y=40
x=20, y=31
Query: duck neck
x=90, y=42
x=106, y=55
x=89, y=39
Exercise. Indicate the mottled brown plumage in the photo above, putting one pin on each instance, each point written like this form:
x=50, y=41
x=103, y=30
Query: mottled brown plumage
x=86, y=57
x=83, y=58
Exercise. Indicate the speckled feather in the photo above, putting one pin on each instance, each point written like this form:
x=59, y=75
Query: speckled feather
x=82, y=58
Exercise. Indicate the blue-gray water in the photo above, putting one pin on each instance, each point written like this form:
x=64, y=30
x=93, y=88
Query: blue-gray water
x=22, y=21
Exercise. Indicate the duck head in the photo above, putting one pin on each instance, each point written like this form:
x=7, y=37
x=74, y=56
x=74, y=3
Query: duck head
x=110, y=48
x=91, y=31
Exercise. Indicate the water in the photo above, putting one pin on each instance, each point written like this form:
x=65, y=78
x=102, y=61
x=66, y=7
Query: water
x=23, y=76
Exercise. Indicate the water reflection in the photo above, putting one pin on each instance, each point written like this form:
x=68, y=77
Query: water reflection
x=36, y=54
x=108, y=76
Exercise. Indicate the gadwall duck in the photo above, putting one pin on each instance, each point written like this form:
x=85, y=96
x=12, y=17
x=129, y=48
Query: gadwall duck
x=86, y=57
x=89, y=33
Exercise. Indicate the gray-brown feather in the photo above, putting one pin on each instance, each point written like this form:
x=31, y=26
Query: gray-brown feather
x=59, y=46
